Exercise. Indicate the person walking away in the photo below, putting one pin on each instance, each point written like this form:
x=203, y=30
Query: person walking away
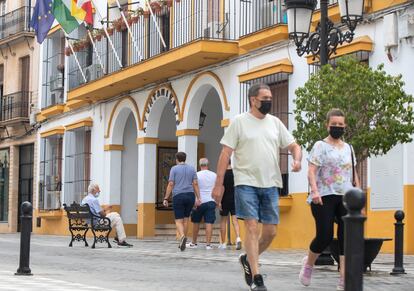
x=255, y=138
x=207, y=209
x=183, y=185
x=331, y=174
x=227, y=207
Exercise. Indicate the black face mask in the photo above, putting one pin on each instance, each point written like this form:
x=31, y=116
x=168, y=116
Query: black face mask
x=336, y=131
x=265, y=106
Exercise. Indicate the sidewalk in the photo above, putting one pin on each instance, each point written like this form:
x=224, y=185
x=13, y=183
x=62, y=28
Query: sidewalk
x=159, y=265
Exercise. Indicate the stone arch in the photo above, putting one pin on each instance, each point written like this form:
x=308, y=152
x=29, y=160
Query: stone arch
x=118, y=118
x=198, y=82
x=154, y=105
x=195, y=95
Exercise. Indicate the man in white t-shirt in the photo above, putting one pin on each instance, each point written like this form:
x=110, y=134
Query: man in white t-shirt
x=207, y=209
x=255, y=138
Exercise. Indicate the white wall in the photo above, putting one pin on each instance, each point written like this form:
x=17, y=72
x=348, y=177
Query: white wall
x=129, y=173
x=167, y=129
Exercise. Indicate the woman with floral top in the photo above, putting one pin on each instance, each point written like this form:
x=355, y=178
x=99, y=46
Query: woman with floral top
x=330, y=177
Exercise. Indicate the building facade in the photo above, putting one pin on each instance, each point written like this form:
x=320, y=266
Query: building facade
x=115, y=111
x=18, y=101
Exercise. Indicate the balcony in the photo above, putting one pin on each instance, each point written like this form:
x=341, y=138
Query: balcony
x=194, y=38
x=15, y=25
x=261, y=23
x=14, y=108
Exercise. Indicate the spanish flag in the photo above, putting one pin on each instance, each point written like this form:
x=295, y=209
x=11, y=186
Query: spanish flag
x=82, y=10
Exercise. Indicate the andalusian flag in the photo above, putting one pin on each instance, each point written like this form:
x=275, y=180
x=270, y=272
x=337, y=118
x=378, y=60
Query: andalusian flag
x=62, y=13
x=82, y=10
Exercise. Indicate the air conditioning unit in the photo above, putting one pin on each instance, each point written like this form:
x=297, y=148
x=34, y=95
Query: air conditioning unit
x=212, y=30
x=56, y=82
x=92, y=72
x=32, y=117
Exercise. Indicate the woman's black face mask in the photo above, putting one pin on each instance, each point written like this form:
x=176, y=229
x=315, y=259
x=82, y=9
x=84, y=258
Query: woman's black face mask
x=336, y=132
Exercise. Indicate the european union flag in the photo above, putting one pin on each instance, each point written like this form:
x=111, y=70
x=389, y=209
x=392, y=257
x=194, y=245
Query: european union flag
x=42, y=19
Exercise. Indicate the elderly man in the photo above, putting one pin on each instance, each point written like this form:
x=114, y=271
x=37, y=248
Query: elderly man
x=207, y=208
x=116, y=221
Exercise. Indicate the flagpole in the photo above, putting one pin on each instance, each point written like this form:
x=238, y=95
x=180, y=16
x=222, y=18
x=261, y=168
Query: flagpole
x=129, y=31
x=107, y=35
x=76, y=58
x=96, y=51
x=155, y=22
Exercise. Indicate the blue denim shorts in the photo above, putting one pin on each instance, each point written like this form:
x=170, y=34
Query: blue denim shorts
x=261, y=204
x=207, y=211
x=182, y=204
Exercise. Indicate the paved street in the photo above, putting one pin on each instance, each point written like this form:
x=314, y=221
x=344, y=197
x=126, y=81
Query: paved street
x=159, y=265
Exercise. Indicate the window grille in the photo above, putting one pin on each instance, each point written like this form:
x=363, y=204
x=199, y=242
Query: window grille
x=77, y=164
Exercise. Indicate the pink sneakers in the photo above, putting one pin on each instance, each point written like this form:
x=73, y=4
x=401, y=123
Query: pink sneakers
x=341, y=284
x=305, y=274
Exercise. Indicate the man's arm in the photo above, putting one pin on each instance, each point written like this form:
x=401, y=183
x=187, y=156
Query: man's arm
x=168, y=191
x=296, y=152
x=222, y=164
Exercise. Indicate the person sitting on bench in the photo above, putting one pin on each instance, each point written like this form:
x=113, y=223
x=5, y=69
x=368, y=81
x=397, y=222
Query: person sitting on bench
x=116, y=221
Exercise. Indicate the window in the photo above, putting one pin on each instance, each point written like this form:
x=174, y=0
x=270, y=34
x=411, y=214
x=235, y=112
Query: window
x=50, y=184
x=77, y=164
x=4, y=184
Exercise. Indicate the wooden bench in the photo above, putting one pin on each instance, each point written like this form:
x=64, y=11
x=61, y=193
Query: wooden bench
x=81, y=219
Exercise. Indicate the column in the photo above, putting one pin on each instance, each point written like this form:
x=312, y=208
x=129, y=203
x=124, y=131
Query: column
x=113, y=166
x=188, y=143
x=147, y=159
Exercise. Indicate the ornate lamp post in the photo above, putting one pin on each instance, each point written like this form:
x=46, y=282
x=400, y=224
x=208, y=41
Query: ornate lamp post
x=324, y=41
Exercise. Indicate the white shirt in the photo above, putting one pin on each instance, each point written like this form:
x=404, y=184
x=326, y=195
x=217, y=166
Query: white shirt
x=256, y=143
x=206, y=180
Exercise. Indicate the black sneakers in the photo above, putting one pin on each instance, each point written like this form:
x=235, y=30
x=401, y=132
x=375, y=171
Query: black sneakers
x=124, y=244
x=246, y=269
x=258, y=284
x=182, y=243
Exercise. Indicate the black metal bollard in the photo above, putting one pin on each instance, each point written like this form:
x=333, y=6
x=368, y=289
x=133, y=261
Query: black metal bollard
x=354, y=201
x=26, y=228
x=399, y=244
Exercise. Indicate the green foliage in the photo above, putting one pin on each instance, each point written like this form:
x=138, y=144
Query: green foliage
x=379, y=114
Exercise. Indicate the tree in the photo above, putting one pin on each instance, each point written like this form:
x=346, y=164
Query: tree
x=379, y=114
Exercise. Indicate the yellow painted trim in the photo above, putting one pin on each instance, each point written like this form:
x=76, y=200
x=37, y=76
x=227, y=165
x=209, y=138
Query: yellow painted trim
x=54, y=29
x=183, y=132
x=166, y=86
x=280, y=66
x=285, y=203
x=54, y=131
x=362, y=43
x=333, y=14
x=175, y=62
x=190, y=86
x=146, y=220
x=53, y=214
x=73, y=104
x=53, y=110
x=113, y=147
x=225, y=122
x=377, y=5
x=263, y=38
x=148, y=140
x=87, y=122
x=134, y=104
x=40, y=117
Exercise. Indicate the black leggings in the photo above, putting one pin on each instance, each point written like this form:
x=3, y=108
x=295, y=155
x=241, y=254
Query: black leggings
x=325, y=216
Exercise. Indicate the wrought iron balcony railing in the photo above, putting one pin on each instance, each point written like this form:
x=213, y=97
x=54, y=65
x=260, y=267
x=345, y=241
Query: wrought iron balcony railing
x=187, y=21
x=260, y=14
x=14, y=106
x=15, y=22
x=53, y=80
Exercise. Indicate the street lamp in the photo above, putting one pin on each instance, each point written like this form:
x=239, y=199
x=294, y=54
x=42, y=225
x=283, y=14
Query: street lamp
x=324, y=41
